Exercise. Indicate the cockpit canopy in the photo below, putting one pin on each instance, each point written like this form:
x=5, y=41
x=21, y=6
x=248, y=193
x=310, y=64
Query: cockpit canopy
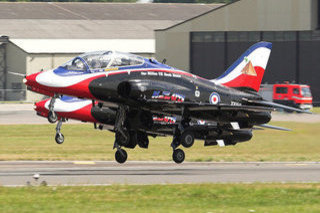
x=102, y=60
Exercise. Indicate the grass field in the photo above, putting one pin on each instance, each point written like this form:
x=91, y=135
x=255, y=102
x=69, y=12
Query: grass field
x=316, y=110
x=82, y=142
x=163, y=198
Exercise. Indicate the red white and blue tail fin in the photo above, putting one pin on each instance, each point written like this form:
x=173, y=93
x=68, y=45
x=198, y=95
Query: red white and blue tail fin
x=247, y=71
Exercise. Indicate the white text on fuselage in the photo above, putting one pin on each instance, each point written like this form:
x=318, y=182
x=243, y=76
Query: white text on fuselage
x=233, y=103
x=162, y=74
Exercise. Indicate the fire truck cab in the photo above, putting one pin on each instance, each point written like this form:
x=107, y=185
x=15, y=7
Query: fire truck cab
x=295, y=95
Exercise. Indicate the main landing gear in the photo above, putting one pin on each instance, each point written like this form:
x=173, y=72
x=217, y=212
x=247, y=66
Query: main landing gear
x=52, y=116
x=178, y=155
x=122, y=137
x=59, y=136
x=182, y=135
x=126, y=137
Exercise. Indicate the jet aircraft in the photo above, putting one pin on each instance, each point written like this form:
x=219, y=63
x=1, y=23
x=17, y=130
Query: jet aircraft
x=83, y=110
x=141, y=87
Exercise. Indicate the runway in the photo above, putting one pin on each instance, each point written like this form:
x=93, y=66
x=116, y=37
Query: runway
x=19, y=173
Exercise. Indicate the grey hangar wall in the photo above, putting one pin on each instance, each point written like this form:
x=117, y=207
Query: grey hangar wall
x=295, y=55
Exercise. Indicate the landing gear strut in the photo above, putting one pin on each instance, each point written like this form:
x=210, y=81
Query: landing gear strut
x=52, y=116
x=122, y=137
x=182, y=136
x=59, y=136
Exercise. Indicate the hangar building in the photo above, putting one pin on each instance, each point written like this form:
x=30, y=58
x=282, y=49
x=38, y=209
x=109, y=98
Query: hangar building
x=41, y=36
x=208, y=43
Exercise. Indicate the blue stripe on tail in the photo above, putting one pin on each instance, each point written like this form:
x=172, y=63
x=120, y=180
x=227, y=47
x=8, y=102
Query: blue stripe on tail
x=245, y=54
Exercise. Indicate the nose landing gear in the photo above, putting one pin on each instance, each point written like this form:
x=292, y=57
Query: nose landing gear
x=59, y=136
x=52, y=116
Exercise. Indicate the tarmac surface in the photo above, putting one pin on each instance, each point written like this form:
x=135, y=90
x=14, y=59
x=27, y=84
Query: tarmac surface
x=19, y=173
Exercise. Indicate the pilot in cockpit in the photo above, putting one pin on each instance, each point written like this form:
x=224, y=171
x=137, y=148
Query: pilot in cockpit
x=77, y=64
x=101, y=60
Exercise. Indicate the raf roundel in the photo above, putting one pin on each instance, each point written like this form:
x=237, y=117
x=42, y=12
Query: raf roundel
x=214, y=98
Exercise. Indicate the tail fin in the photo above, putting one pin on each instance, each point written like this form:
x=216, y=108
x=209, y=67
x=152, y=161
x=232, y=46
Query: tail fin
x=248, y=70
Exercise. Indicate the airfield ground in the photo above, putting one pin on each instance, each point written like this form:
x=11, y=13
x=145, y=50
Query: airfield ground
x=163, y=198
x=35, y=141
x=82, y=142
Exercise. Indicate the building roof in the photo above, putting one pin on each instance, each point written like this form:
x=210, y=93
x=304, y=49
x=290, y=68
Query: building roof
x=84, y=45
x=101, y=11
x=81, y=29
x=92, y=20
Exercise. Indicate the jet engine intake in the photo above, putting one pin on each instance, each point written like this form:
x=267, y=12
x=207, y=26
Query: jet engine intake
x=132, y=89
x=124, y=89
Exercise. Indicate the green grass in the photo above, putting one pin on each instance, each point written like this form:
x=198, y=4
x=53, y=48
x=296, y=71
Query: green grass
x=163, y=198
x=82, y=142
x=316, y=110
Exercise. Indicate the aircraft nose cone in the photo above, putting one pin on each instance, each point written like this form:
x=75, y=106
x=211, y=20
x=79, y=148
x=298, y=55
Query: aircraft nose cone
x=30, y=80
x=40, y=108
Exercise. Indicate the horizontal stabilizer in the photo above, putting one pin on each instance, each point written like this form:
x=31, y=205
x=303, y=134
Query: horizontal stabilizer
x=278, y=106
x=274, y=127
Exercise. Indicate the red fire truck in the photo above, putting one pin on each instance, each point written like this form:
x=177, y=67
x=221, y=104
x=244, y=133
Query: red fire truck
x=295, y=95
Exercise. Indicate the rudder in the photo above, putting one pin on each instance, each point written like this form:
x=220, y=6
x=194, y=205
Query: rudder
x=248, y=70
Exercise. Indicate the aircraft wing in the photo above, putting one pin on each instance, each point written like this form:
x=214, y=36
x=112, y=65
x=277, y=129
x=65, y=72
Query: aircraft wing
x=176, y=107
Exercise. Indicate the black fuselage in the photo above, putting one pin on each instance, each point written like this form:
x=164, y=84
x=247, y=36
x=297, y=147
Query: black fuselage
x=143, y=84
x=136, y=87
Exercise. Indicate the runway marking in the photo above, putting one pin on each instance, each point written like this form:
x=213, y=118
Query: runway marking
x=297, y=164
x=84, y=162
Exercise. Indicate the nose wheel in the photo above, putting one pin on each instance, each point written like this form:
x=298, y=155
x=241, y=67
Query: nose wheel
x=52, y=117
x=59, y=136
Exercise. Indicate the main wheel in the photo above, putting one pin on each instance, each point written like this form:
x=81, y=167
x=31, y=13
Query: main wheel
x=187, y=139
x=52, y=117
x=59, y=138
x=178, y=156
x=121, y=156
x=121, y=140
